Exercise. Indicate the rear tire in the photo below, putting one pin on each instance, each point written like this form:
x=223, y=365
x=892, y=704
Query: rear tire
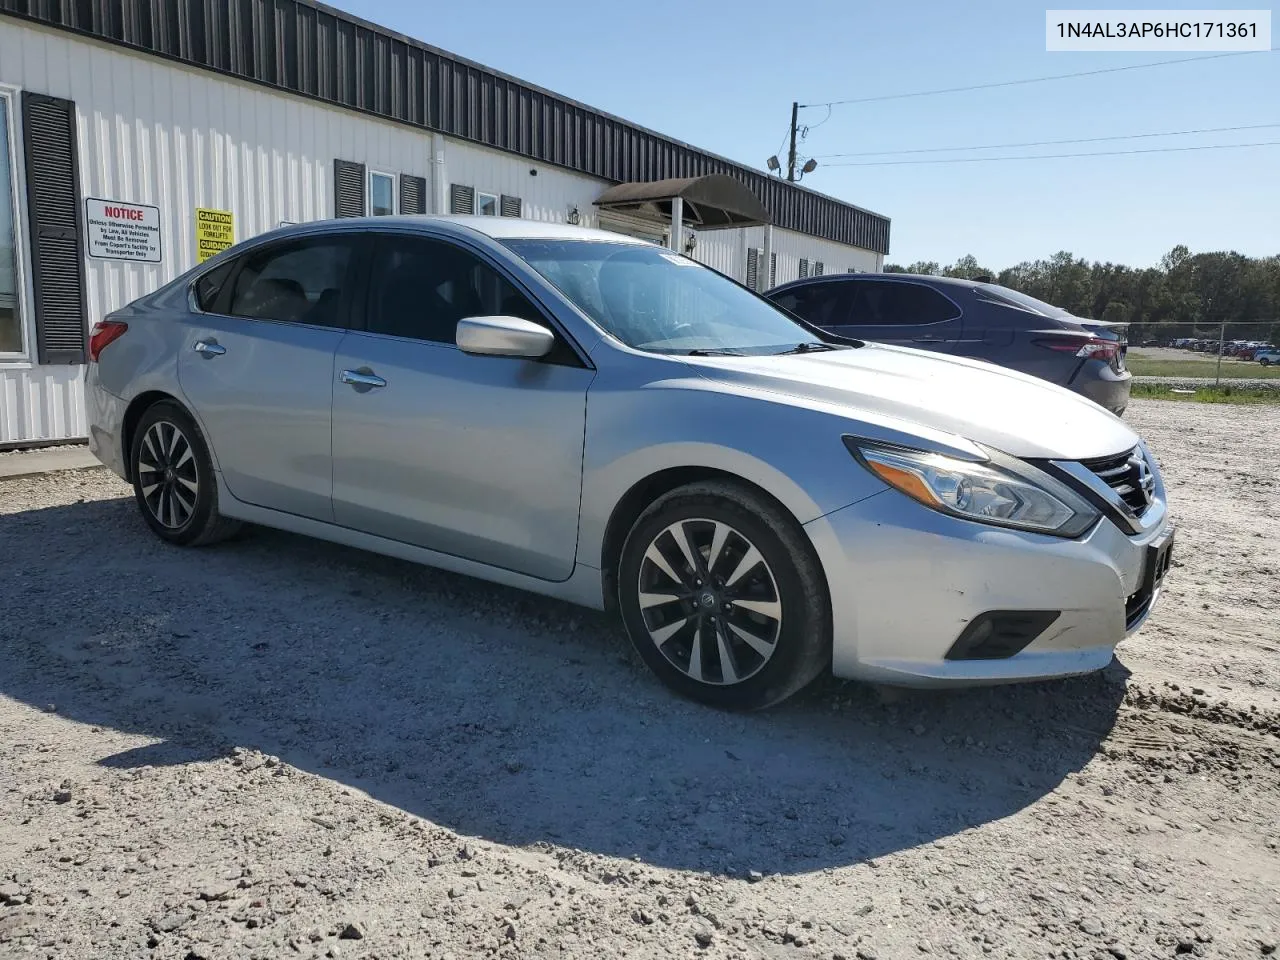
x=173, y=479
x=737, y=616
x=1265, y=362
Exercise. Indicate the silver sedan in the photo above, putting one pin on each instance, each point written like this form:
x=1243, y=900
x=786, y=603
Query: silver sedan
x=597, y=419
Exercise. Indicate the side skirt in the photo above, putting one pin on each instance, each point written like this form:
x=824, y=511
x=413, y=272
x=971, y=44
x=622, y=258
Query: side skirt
x=584, y=586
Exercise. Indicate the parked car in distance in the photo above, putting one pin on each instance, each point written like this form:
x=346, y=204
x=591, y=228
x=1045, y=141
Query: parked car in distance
x=1267, y=357
x=597, y=419
x=968, y=318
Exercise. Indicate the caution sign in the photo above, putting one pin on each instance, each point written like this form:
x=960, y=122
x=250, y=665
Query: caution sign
x=122, y=231
x=215, y=231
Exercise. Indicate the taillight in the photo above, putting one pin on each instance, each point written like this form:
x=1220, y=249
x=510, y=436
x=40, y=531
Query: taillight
x=103, y=333
x=1095, y=347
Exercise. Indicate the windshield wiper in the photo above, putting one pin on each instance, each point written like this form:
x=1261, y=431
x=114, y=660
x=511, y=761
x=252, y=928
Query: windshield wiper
x=808, y=347
x=716, y=352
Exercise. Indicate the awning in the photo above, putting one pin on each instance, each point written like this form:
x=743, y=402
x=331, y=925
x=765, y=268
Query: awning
x=713, y=202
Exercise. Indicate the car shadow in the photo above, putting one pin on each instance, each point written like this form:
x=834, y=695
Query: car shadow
x=497, y=713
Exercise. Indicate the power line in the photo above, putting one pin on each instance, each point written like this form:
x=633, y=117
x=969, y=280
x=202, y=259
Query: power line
x=1045, y=143
x=1056, y=156
x=1015, y=83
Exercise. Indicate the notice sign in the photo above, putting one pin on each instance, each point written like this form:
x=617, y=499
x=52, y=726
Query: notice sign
x=215, y=231
x=122, y=231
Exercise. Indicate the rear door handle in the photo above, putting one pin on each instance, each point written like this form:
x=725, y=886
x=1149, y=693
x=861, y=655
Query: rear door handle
x=361, y=378
x=208, y=348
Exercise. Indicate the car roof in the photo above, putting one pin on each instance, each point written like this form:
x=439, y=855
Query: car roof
x=497, y=228
x=953, y=282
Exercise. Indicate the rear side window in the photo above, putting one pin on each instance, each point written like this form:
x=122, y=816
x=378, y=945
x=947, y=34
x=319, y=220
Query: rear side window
x=897, y=303
x=822, y=304
x=298, y=282
x=208, y=287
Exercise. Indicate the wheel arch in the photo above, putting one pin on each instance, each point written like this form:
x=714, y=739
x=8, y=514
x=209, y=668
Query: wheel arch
x=133, y=414
x=647, y=491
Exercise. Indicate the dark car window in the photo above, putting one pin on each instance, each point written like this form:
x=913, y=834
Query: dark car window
x=298, y=282
x=208, y=286
x=822, y=304
x=898, y=303
x=421, y=288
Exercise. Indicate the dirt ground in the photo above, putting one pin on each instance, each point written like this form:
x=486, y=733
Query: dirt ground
x=279, y=748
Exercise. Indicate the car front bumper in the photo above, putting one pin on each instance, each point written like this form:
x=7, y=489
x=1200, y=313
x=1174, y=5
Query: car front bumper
x=905, y=581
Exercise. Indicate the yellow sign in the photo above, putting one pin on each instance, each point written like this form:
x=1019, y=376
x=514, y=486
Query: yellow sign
x=215, y=231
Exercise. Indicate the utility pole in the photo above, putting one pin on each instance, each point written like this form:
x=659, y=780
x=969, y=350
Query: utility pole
x=791, y=154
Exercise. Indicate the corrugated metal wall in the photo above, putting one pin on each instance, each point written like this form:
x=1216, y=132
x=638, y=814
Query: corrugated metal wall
x=726, y=251
x=152, y=131
x=41, y=403
x=323, y=53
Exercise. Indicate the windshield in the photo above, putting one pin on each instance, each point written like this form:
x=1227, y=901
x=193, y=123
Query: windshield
x=653, y=299
x=1021, y=300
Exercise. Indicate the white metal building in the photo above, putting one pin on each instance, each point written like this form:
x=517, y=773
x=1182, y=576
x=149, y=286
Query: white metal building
x=139, y=136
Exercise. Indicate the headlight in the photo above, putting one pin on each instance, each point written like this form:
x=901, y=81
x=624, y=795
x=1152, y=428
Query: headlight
x=1002, y=494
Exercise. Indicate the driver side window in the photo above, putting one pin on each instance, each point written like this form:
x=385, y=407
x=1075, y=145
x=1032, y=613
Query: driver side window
x=422, y=287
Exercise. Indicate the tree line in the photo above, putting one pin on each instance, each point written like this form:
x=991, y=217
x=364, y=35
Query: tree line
x=1187, y=295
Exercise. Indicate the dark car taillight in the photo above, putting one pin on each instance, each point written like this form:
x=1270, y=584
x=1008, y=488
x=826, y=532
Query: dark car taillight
x=1098, y=348
x=103, y=333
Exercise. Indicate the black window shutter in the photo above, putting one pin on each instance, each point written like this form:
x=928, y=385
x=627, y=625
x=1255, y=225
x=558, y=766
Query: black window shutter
x=348, y=188
x=753, y=268
x=773, y=270
x=461, y=199
x=804, y=266
x=413, y=194
x=818, y=268
x=511, y=206
x=53, y=204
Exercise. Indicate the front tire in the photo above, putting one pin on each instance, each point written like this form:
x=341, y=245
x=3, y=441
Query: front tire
x=723, y=597
x=1265, y=362
x=173, y=479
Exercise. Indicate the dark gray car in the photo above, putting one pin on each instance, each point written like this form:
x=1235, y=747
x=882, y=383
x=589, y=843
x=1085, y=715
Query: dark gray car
x=968, y=318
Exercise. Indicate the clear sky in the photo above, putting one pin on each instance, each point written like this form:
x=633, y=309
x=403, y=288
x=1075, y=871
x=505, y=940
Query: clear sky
x=722, y=77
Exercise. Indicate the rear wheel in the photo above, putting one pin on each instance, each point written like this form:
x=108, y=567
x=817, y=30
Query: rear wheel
x=1264, y=361
x=723, y=597
x=173, y=481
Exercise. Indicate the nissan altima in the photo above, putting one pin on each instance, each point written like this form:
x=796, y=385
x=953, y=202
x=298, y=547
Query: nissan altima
x=597, y=419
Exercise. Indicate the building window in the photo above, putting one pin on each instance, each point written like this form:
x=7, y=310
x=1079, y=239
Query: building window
x=818, y=268
x=10, y=286
x=486, y=204
x=382, y=194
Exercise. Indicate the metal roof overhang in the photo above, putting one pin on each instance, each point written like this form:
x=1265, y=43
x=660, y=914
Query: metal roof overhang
x=711, y=202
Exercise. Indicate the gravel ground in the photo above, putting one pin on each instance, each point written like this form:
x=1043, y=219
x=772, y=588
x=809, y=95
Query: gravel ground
x=278, y=748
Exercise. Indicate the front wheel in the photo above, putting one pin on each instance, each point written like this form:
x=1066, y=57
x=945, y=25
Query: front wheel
x=723, y=597
x=173, y=481
x=1264, y=361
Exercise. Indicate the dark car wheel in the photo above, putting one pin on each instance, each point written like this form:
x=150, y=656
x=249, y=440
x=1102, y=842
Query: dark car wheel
x=173, y=479
x=1264, y=361
x=723, y=597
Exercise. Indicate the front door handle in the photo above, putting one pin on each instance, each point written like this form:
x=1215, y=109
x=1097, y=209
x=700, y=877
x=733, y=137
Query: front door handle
x=928, y=340
x=208, y=348
x=362, y=378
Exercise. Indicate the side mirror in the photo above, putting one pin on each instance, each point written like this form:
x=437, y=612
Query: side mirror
x=504, y=337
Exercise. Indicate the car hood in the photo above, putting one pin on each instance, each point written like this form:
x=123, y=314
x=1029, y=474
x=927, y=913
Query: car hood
x=1001, y=408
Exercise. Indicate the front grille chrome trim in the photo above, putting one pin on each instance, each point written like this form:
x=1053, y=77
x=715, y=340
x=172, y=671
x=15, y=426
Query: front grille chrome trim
x=1092, y=480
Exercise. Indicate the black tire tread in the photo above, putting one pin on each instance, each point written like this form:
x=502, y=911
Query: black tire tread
x=216, y=528
x=816, y=656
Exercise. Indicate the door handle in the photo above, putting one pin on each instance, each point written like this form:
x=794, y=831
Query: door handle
x=359, y=378
x=208, y=348
x=927, y=340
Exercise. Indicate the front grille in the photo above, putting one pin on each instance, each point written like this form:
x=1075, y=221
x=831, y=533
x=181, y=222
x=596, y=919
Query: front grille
x=1122, y=474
